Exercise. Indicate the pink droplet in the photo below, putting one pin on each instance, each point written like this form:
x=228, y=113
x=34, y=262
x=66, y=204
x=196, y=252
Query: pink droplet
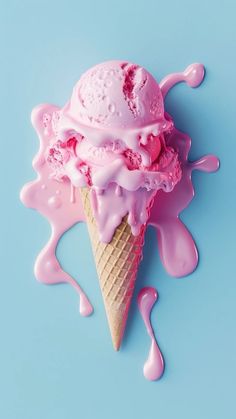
x=85, y=307
x=194, y=74
x=54, y=202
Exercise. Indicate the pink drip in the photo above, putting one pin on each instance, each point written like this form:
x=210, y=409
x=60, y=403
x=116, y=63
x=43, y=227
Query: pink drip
x=192, y=75
x=154, y=365
x=72, y=194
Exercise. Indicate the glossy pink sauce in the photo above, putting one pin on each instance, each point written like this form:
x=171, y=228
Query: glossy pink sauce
x=154, y=365
x=60, y=204
x=177, y=249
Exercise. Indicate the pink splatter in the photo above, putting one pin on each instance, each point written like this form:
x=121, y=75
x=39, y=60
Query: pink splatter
x=54, y=201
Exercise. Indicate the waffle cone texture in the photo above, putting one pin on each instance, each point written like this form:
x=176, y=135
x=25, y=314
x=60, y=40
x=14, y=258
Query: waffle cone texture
x=117, y=264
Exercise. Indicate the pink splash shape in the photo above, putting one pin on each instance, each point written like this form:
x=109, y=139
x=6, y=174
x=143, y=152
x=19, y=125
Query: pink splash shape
x=193, y=75
x=154, y=365
x=57, y=202
x=177, y=249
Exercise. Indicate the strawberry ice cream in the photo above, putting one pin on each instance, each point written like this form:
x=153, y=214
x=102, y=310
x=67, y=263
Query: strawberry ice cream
x=111, y=133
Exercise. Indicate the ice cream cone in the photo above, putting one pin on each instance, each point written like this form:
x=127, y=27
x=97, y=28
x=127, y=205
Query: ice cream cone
x=117, y=264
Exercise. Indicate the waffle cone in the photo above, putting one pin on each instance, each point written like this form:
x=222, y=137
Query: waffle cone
x=117, y=264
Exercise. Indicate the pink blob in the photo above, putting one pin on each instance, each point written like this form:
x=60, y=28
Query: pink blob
x=58, y=203
x=154, y=365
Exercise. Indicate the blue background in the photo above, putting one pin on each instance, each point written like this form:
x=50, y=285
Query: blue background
x=54, y=363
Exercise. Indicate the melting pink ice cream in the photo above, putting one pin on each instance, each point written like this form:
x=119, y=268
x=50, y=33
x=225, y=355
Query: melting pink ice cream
x=129, y=168
x=111, y=134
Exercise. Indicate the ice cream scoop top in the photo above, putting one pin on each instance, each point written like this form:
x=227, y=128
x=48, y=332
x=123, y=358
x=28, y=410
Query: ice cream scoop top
x=117, y=94
x=110, y=133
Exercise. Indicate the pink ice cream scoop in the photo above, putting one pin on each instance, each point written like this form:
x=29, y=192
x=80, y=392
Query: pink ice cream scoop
x=116, y=103
x=117, y=94
x=116, y=121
